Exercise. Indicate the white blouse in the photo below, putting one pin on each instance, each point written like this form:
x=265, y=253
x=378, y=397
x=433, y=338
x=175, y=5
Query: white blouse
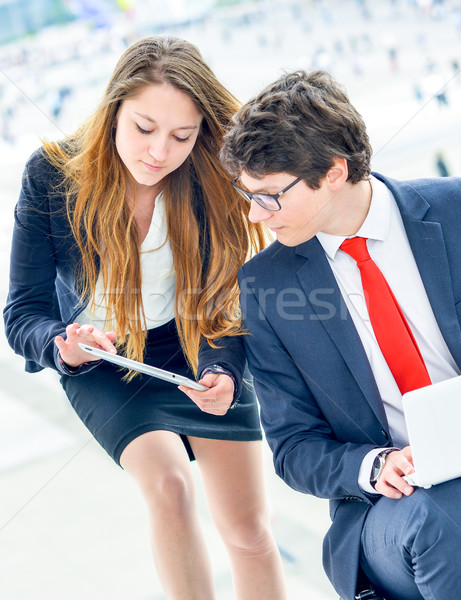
x=158, y=279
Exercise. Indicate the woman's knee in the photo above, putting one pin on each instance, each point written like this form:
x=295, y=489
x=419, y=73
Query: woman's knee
x=251, y=535
x=168, y=492
x=159, y=464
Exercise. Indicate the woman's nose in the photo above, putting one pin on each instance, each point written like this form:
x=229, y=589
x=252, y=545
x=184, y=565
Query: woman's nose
x=158, y=148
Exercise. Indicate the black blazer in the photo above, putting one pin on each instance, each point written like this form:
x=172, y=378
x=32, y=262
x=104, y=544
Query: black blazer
x=42, y=297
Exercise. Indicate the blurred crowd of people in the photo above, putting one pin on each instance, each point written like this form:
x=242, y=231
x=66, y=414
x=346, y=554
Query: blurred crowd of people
x=43, y=77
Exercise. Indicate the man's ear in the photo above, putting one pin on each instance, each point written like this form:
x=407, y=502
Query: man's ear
x=338, y=174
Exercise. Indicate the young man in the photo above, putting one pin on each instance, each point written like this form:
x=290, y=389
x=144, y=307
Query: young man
x=331, y=349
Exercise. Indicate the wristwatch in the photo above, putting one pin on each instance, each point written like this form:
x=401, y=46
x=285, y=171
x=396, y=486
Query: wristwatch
x=378, y=465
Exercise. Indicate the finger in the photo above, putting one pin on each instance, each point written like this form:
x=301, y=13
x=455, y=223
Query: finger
x=407, y=452
x=191, y=392
x=71, y=330
x=209, y=404
x=195, y=395
x=399, y=461
x=394, y=492
x=222, y=387
x=104, y=341
x=60, y=342
x=387, y=490
x=85, y=329
x=398, y=483
x=391, y=480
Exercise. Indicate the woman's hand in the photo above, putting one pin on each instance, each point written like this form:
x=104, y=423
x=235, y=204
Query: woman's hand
x=218, y=398
x=69, y=348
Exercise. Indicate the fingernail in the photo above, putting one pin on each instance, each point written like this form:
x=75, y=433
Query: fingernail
x=397, y=496
x=407, y=490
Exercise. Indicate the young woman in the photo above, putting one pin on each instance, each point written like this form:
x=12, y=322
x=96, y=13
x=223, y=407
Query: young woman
x=128, y=237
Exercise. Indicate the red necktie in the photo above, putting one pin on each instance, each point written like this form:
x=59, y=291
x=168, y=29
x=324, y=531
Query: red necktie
x=392, y=331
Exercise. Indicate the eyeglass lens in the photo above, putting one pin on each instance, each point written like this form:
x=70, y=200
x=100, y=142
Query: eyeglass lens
x=267, y=202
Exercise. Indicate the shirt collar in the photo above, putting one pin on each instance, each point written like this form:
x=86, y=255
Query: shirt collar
x=375, y=226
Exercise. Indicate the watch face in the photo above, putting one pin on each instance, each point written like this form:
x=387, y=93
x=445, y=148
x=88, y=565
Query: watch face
x=378, y=465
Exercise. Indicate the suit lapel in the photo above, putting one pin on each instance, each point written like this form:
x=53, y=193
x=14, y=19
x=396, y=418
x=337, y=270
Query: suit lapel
x=319, y=284
x=429, y=249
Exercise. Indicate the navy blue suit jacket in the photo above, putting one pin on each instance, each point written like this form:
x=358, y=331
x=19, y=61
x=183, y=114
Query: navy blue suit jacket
x=320, y=406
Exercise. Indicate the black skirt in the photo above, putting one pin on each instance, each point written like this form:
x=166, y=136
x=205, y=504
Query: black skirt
x=117, y=412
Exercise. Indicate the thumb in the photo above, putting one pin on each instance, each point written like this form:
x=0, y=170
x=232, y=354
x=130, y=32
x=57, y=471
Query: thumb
x=209, y=379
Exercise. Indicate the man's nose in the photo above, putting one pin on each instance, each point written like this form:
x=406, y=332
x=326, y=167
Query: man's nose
x=258, y=213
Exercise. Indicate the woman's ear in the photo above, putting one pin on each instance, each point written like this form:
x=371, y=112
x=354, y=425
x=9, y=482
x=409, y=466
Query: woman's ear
x=338, y=174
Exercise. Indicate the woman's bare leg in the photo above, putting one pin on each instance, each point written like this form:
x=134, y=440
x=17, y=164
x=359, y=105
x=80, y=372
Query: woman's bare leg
x=159, y=463
x=232, y=473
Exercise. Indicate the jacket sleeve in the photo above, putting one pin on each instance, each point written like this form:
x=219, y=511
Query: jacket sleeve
x=307, y=454
x=230, y=354
x=31, y=315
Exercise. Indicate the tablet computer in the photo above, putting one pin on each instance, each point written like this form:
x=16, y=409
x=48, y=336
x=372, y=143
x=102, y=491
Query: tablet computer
x=143, y=368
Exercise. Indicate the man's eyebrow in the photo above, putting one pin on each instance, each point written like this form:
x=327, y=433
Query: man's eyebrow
x=258, y=191
x=262, y=191
x=151, y=120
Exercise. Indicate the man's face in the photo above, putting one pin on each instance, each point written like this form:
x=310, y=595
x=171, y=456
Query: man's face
x=304, y=211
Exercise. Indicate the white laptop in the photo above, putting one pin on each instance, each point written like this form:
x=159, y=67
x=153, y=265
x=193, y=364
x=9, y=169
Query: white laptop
x=433, y=418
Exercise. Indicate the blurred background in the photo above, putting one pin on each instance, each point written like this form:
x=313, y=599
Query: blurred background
x=72, y=524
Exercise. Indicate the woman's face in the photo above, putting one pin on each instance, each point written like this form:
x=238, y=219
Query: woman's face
x=155, y=132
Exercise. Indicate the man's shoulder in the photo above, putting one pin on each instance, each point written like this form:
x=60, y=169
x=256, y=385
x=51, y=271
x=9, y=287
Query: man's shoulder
x=438, y=190
x=428, y=187
x=431, y=198
x=276, y=254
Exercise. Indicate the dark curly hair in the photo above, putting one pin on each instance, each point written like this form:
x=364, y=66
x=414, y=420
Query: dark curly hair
x=299, y=124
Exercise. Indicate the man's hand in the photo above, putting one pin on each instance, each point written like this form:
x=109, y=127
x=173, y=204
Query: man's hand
x=218, y=398
x=391, y=483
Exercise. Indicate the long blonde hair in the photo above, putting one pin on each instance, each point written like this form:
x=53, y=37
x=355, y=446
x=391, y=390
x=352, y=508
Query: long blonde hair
x=96, y=183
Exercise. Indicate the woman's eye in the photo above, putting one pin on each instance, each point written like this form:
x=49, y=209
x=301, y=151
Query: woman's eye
x=141, y=130
x=179, y=139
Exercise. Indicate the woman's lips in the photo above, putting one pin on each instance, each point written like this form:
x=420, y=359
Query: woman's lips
x=153, y=168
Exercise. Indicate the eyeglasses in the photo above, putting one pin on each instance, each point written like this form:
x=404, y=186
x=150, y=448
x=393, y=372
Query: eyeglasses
x=266, y=201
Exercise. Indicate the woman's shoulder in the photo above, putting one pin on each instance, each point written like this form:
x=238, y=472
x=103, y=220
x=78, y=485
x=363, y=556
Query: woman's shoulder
x=42, y=172
x=40, y=166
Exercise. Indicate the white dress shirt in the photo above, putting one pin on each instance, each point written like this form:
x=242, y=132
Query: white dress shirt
x=389, y=248
x=158, y=278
